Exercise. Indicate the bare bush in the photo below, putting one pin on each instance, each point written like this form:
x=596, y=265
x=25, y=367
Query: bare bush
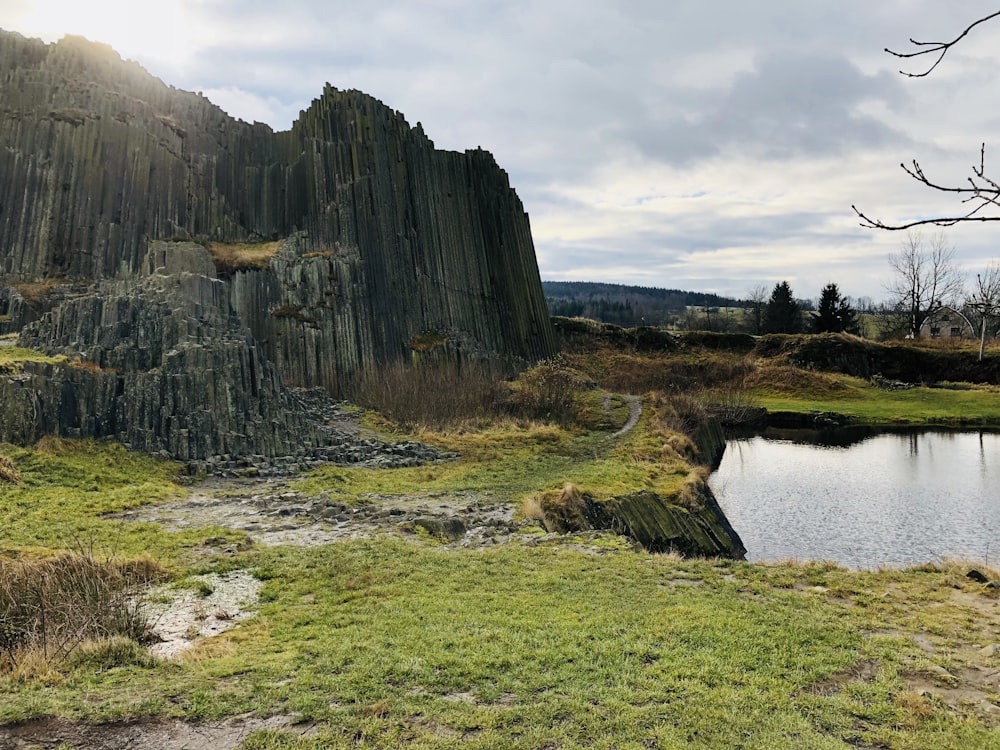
x=550, y=391
x=50, y=607
x=435, y=396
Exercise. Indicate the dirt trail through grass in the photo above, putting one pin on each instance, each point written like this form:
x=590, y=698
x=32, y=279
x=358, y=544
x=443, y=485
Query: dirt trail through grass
x=149, y=734
x=634, y=412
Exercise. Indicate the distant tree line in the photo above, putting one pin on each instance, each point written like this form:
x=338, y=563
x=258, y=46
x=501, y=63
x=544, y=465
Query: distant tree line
x=672, y=308
x=627, y=305
x=927, y=296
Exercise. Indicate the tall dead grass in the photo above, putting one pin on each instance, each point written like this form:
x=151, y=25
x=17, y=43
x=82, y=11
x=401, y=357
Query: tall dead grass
x=51, y=607
x=433, y=395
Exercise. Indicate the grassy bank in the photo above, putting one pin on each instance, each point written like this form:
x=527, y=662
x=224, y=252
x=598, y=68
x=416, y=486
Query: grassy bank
x=786, y=389
x=390, y=642
x=728, y=373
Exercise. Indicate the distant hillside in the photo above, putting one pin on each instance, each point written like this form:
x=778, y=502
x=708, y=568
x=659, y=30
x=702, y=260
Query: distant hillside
x=626, y=305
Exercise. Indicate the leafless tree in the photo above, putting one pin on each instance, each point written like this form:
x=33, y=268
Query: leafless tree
x=756, y=305
x=924, y=278
x=980, y=193
x=984, y=303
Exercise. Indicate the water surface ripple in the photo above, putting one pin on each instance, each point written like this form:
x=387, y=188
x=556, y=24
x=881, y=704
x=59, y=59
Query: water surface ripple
x=864, y=500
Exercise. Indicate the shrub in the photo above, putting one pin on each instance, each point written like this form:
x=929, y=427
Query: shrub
x=550, y=391
x=50, y=607
x=431, y=395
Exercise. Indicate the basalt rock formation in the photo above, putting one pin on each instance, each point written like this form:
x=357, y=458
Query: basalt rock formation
x=162, y=362
x=367, y=245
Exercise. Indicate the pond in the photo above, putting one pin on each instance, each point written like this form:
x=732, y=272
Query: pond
x=864, y=498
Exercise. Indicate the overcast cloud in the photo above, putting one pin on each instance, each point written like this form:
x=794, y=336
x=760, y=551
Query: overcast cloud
x=701, y=144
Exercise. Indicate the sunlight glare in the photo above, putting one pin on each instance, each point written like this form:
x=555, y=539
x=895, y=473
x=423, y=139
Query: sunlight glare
x=168, y=31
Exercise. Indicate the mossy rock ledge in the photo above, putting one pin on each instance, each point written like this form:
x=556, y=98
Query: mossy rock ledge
x=661, y=526
x=699, y=528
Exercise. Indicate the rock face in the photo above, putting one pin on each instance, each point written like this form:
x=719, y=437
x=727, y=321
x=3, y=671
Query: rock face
x=162, y=362
x=391, y=238
x=111, y=186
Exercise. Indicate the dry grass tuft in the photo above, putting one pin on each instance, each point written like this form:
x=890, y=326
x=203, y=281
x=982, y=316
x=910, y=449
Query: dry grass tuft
x=50, y=608
x=242, y=256
x=379, y=709
x=36, y=292
x=565, y=510
x=87, y=366
x=8, y=473
x=531, y=508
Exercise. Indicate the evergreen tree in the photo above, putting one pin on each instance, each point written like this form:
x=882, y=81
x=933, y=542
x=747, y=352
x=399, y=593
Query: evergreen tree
x=835, y=315
x=783, y=314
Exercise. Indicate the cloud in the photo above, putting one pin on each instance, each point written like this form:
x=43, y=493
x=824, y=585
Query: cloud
x=791, y=105
x=664, y=143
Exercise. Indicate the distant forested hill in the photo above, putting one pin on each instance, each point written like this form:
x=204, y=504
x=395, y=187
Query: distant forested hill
x=626, y=305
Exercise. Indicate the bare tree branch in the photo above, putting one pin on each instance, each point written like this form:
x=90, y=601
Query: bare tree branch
x=984, y=302
x=938, y=48
x=980, y=193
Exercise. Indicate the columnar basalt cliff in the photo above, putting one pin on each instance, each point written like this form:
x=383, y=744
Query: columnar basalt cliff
x=99, y=157
x=378, y=240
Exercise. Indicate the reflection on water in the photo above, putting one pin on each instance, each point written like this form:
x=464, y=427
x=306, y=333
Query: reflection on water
x=864, y=498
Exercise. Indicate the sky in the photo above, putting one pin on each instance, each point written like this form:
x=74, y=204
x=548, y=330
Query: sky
x=710, y=145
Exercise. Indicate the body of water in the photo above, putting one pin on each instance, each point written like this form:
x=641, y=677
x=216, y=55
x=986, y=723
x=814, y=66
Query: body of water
x=864, y=499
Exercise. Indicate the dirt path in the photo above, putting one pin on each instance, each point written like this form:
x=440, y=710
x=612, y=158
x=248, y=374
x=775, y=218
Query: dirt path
x=634, y=412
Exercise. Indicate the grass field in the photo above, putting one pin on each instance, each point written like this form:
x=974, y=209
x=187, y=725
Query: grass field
x=860, y=399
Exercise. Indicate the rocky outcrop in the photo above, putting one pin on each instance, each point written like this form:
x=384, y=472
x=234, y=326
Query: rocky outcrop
x=112, y=186
x=696, y=527
x=14, y=311
x=162, y=362
x=389, y=238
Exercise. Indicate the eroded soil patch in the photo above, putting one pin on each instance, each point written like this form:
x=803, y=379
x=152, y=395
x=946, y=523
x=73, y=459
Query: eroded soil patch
x=49, y=734
x=182, y=618
x=270, y=513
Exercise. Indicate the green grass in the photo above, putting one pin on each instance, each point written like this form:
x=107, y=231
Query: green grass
x=67, y=488
x=388, y=644
x=865, y=402
x=511, y=461
x=12, y=355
